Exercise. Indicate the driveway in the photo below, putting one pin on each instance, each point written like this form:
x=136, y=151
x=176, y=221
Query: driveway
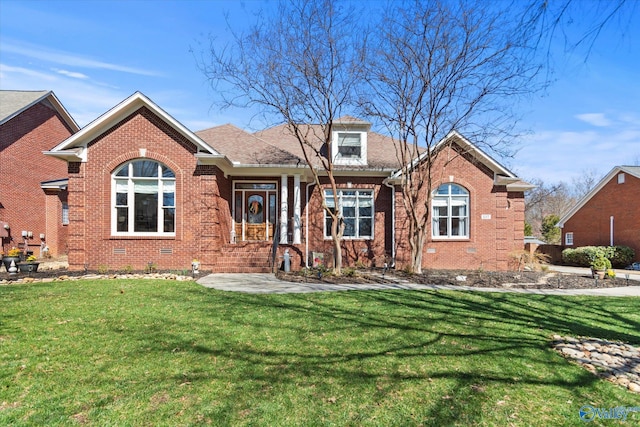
x=255, y=283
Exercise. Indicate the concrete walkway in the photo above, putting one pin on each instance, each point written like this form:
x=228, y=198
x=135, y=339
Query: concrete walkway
x=269, y=284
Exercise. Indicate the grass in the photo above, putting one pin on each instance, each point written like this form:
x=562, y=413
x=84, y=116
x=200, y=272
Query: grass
x=126, y=352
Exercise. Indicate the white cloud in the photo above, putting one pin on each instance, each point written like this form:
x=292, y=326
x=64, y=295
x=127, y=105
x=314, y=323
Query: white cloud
x=561, y=155
x=68, y=59
x=72, y=74
x=7, y=70
x=594, y=119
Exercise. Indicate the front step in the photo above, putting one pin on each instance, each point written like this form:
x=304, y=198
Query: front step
x=244, y=257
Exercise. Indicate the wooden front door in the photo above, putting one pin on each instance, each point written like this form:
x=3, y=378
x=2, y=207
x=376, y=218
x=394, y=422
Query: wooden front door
x=255, y=210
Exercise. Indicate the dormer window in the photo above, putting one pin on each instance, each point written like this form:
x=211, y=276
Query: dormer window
x=349, y=145
x=349, y=148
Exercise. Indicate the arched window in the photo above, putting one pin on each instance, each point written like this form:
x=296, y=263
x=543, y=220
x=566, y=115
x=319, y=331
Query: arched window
x=450, y=204
x=144, y=198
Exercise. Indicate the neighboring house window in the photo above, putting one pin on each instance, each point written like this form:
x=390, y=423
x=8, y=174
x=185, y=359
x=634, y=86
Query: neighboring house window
x=349, y=148
x=450, y=212
x=621, y=178
x=357, y=210
x=144, y=199
x=568, y=239
x=65, y=214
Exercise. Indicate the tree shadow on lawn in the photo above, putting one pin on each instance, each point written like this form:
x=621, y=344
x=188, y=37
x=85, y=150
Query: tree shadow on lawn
x=465, y=342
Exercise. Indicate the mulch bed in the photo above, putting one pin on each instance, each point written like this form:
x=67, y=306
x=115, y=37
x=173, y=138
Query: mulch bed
x=486, y=279
x=477, y=278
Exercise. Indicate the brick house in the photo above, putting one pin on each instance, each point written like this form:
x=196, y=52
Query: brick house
x=144, y=189
x=33, y=196
x=608, y=215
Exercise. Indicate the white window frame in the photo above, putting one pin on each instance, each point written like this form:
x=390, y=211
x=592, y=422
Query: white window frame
x=348, y=161
x=161, y=182
x=360, y=194
x=448, y=199
x=65, y=213
x=568, y=238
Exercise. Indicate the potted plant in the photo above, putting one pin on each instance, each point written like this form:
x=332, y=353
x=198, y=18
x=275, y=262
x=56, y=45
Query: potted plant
x=600, y=264
x=30, y=265
x=13, y=255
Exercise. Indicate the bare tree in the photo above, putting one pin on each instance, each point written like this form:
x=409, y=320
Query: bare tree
x=441, y=66
x=555, y=199
x=299, y=65
x=546, y=21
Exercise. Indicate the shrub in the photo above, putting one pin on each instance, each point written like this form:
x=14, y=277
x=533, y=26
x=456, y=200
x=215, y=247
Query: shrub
x=619, y=256
x=622, y=256
x=580, y=257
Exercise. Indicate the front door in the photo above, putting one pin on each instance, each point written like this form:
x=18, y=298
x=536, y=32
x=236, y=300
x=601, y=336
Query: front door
x=255, y=211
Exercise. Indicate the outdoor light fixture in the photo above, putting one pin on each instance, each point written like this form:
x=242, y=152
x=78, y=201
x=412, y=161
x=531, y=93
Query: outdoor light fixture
x=24, y=233
x=6, y=226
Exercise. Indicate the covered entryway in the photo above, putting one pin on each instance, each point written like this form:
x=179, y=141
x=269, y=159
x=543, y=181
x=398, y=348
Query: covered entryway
x=254, y=212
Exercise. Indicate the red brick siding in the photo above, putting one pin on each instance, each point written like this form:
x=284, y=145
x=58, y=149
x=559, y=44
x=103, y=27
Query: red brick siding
x=590, y=225
x=23, y=167
x=490, y=240
x=355, y=251
x=201, y=216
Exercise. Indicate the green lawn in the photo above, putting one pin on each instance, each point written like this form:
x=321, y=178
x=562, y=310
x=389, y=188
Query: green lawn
x=125, y=352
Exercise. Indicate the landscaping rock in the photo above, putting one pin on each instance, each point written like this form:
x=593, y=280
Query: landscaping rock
x=613, y=361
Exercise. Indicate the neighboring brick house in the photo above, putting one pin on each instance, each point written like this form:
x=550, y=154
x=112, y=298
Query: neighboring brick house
x=609, y=214
x=32, y=186
x=145, y=190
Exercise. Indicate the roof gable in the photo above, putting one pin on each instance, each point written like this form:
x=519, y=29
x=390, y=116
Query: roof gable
x=15, y=102
x=74, y=147
x=631, y=170
x=502, y=175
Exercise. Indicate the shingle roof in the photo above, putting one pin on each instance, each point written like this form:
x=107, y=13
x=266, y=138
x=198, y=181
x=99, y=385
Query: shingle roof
x=380, y=150
x=244, y=148
x=12, y=102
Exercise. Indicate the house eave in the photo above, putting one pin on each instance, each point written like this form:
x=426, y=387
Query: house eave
x=57, y=184
x=71, y=155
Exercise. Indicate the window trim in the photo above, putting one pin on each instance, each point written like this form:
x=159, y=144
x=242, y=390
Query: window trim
x=568, y=238
x=329, y=193
x=348, y=161
x=449, y=197
x=65, y=213
x=130, y=198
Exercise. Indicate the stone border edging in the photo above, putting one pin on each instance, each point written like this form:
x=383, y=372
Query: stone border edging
x=66, y=278
x=614, y=361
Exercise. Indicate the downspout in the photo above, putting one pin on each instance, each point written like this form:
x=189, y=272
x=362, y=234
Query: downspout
x=393, y=221
x=611, y=230
x=306, y=225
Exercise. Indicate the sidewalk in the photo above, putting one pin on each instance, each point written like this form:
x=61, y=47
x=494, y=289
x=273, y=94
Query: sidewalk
x=258, y=283
x=620, y=273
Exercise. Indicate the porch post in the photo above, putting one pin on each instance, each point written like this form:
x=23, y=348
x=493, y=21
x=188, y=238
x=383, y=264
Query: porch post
x=284, y=209
x=296, y=210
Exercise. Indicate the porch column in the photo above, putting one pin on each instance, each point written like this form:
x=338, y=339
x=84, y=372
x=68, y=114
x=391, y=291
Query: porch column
x=296, y=210
x=284, y=209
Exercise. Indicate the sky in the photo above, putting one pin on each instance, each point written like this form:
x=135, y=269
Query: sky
x=93, y=54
